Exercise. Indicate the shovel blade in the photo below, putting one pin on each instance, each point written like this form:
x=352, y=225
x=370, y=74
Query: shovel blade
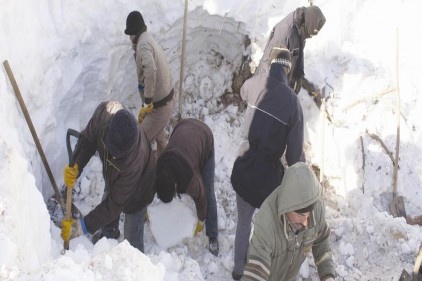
x=405, y=276
x=396, y=207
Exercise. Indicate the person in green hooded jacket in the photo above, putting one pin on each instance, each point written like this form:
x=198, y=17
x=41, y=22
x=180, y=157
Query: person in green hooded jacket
x=290, y=225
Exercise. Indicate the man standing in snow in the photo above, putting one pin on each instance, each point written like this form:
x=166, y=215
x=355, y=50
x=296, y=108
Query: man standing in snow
x=187, y=166
x=273, y=125
x=154, y=81
x=128, y=170
x=288, y=226
x=292, y=31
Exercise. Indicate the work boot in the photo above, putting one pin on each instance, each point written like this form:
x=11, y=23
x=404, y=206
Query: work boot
x=213, y=246
x=112, y=234
x=236, y=276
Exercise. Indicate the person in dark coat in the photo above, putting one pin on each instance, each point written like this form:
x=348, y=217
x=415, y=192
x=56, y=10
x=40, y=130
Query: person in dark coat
x=128, y=170
x=187, y=165
x=273, y=126
x=292, y=32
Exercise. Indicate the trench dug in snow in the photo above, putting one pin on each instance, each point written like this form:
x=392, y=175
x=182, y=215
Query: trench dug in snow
x=216, y=48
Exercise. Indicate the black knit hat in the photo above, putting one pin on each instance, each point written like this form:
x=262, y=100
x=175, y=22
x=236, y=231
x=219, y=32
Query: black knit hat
x=281, y=56
x=122, y=133
x=165, y=183
x=134, y=23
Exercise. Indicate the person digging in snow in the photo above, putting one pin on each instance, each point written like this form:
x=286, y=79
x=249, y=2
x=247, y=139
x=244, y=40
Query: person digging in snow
x=154, y=81
x=292, y=32
x=128, y=170
x=187, y=165
x=288, y=226
x=273, y=126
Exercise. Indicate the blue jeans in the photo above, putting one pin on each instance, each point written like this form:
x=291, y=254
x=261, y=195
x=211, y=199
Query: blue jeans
x=208, y=173
x=134, y=229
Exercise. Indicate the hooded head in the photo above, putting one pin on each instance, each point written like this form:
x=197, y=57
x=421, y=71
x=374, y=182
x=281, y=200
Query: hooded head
x=122, y=134
x=299, y=190
x=314, y=21
x=165, y=184
x=134, y=23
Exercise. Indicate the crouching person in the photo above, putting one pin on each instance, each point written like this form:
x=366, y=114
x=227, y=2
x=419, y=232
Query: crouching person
x=290, y=223
x=187, y=166
x=128, y=170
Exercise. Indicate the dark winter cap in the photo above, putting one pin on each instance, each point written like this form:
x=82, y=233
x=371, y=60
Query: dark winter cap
x=281, y=56
x=314, y=20
x=165, y=184
x=122, y=134
x=134, y=23
x=306, y=209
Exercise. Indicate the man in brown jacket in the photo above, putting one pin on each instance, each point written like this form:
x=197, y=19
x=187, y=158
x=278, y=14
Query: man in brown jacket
x=154, y=81
x=128, y=170
x=187, y=166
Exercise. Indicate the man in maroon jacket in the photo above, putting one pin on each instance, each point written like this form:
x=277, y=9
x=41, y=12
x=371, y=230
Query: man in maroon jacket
x=187, y=166
x=128, y=170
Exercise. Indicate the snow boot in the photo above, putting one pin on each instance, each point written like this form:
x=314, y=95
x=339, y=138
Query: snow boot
x=213, y=246
x=112, y=234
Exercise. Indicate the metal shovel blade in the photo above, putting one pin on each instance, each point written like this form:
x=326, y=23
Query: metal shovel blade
x=396, y=207
x=405, y=276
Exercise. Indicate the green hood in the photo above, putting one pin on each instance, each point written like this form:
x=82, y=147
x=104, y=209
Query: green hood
x=299, y=189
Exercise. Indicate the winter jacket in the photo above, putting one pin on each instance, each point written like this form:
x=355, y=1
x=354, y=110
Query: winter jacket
x=273, y=125
x=292, y=32
x=129, y=179
x=189, y=147
x=152, y=68
x=275, y=251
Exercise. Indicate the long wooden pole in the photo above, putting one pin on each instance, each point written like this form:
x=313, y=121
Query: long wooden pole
x=396, y=158
x=18, y=95
x=182, y=60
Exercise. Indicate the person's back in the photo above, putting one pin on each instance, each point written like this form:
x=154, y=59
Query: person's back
x=152, y=66
x=273, y=122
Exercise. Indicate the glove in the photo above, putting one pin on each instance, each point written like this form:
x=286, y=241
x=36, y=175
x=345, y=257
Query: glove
x=72, y=228
x=199, y=227
x=70, y=175
x=140, y=88
x=145, y=109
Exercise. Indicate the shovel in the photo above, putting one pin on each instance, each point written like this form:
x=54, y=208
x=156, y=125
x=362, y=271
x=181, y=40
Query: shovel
x=416, y=275
x=70, y=132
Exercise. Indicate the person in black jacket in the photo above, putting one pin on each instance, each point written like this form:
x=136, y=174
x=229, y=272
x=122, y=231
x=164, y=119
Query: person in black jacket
x=273, y=126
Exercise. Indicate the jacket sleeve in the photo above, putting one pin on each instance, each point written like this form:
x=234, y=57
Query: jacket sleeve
x=294, y=43
x=294, y=142
x=196, y=191
x=258, y=263
x=121, y=192
x=86, y=146
x=145, y=61
x=321, y=249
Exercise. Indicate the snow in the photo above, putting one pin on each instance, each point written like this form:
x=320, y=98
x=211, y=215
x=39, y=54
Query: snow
x=67, y=56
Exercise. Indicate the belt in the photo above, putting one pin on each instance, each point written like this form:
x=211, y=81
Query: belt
x=164, y=101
